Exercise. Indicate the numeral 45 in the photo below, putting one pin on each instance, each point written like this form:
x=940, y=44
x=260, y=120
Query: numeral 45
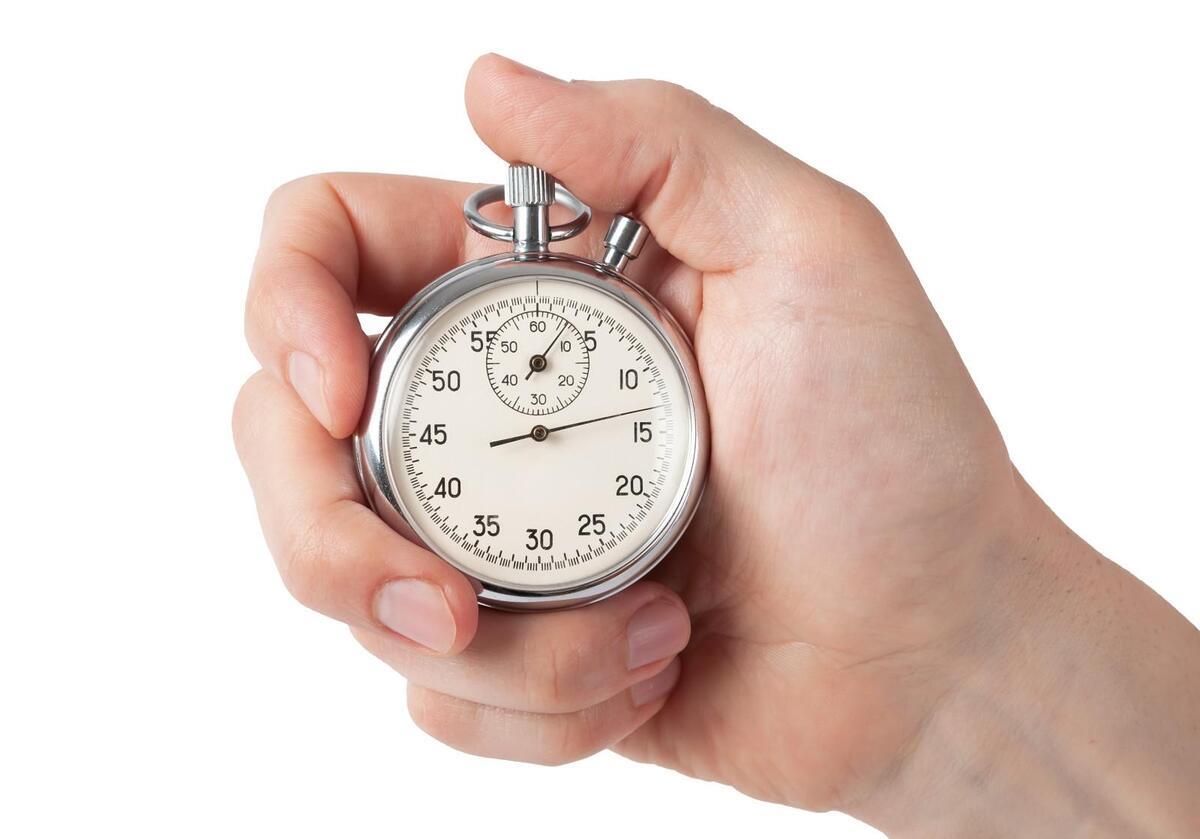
x=434, y=435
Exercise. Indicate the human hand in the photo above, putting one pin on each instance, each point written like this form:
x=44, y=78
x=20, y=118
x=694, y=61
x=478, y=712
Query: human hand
x=865, y=564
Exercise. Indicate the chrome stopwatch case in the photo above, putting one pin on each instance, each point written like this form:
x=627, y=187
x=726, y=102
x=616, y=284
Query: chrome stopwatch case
x=534, y=418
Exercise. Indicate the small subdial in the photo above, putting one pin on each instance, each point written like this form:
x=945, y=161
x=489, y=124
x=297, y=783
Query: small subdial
x=537, y=362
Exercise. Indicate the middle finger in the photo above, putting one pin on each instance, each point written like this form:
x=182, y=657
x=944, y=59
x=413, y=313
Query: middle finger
x=552, y=662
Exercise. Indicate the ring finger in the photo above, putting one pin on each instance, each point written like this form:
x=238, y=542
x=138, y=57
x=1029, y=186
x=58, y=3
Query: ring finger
x=553, y=662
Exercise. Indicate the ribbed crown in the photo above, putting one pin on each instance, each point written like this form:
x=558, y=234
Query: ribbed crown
x=528, y=186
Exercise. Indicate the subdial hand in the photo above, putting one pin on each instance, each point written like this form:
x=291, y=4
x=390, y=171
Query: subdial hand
x=538, y=362
x=541, y=432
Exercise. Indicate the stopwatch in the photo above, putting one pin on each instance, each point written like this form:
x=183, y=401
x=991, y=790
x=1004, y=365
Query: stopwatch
x=534, y=418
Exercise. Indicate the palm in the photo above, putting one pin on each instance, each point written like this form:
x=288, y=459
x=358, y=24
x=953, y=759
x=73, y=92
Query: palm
x=853, y=465
x=858, y=490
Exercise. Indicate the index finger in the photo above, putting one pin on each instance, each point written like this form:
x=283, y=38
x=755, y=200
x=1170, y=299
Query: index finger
x=334, y=554
x=333, y=245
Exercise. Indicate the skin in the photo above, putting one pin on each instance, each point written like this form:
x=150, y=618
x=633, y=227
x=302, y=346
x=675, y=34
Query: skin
x=872, y=611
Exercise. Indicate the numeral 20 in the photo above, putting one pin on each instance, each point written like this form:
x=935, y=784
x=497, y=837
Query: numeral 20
x=630, y=485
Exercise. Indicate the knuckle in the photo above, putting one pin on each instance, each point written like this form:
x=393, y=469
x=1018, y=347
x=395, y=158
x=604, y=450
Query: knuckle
x=300, y=561
x=859, y=214
x=666, y=97
x=245, y=409
x=552, y=669
x=835, y=220
x=426, y=715
x=551, y=740
x=286, y=193
x=274, y=308
x=453, y=722
x=573, y=739
x=266, y=311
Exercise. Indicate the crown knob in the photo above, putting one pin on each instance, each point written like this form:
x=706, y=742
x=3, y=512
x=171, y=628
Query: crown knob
x=530, y=192
x=528, y=186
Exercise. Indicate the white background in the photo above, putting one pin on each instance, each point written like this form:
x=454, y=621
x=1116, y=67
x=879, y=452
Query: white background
x=1039, y=166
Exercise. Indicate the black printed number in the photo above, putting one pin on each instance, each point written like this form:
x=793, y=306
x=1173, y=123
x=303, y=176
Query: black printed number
x=591, y=524
x=487, y=525
x=630, y=485
x=443, y=380
x=448, y=488
x=479, y=340
x=434, y=435
x=539, y=539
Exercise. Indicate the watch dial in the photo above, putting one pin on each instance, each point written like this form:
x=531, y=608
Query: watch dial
x=540, y=433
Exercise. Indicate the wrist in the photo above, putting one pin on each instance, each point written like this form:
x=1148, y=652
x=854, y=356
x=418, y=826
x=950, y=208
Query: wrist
x=1072, y=710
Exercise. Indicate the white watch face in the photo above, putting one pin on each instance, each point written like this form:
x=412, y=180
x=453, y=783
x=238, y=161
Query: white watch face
x=539, y=433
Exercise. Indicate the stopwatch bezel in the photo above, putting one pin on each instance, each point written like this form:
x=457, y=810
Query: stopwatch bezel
x=402, y=334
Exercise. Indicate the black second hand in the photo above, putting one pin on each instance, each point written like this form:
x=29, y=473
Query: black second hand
x=495, y=443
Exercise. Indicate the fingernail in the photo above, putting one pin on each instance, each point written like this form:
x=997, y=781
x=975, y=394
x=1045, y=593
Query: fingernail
x=656, y=687
x=656, y=631
x=309, y=383
x=526, y=70
x=417, y=610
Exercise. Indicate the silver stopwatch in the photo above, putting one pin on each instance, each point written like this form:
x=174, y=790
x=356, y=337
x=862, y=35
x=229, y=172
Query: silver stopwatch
x=534, y=418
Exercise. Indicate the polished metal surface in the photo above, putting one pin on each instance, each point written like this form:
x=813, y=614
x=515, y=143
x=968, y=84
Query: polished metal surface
x=528, y=186
x=624, y=241
x=531, y=231
x=371, y=441
x=531, y=234
x=531, y=228
x=530, y=193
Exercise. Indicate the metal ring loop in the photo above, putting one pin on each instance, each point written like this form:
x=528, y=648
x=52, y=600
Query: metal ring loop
x=495, y=194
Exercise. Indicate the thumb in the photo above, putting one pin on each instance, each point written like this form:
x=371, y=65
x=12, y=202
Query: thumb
x=715, y=194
